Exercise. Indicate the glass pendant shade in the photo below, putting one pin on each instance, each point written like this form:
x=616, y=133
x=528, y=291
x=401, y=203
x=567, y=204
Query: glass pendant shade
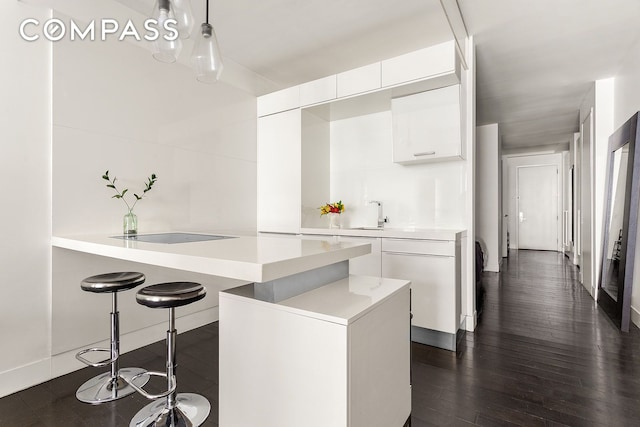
x=184, y=15
x=164, y=48
x=206, y=57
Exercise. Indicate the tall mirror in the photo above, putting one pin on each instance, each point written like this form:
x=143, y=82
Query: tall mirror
x=620, y=226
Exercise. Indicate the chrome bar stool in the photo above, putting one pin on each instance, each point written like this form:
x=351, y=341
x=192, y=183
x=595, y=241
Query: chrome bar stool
x=111, y=385
x=170, y=408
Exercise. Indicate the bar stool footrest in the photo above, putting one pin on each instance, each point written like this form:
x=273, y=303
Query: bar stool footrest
x=95, y=364
x=190, y=409
x=104, y=388
x=172, y=383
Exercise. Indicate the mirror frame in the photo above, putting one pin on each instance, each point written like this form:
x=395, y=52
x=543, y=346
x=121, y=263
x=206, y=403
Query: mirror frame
x=620, y=311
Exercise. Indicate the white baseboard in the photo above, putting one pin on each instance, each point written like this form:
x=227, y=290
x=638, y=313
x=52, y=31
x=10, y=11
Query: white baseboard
x=25, y=376
x=60, y=364
x=471, y=322
x=635, y=316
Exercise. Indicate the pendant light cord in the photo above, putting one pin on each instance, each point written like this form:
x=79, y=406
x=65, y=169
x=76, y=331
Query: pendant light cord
x=207, y=17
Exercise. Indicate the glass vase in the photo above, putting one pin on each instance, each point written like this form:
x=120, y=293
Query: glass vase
x=334, y=220
x=130, y=224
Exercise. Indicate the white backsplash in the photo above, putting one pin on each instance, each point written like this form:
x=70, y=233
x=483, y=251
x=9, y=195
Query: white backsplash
x=430, y=195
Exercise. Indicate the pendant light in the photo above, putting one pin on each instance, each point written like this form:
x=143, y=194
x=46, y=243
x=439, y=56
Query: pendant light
x=206, y=57
x=165, y=50
x=184, y=16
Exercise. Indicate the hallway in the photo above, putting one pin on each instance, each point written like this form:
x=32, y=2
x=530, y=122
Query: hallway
x=542, y=355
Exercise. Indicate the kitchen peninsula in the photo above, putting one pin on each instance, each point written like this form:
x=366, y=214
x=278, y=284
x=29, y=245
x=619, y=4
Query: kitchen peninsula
x=247, y=258
x=297, y=331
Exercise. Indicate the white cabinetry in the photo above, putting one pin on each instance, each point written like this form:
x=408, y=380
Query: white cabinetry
x=365, y=265
x=359, y=80
x=282, y=100
x=317, y=91
x=279, y=172
x=433, y=267
x=433, y=61
x=426, y=126
x=336, y=356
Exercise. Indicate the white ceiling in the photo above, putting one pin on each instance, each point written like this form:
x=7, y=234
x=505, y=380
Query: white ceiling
x=536, y=59
x=294, y=41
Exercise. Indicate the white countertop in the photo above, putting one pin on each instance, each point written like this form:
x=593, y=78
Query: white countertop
x=253, y=259
x=399, y=233
x=341, y=302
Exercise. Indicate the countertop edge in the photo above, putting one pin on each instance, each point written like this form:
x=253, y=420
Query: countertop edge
x=418, y=234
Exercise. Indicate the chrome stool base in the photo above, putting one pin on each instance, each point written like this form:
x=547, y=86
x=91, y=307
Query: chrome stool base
x=191, y=410
x=99, y=389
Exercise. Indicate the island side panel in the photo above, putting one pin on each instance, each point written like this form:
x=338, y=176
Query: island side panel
x=279, y=369
x=337, y=356
x=380, y=365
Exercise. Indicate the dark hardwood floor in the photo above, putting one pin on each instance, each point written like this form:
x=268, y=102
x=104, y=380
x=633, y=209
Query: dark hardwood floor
x=542, y=355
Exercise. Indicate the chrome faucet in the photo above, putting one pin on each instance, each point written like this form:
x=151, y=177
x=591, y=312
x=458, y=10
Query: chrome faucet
x=381, y=219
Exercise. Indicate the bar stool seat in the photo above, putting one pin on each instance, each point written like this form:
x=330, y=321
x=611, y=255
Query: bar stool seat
x=111, y=385
x=172, y=294
x=170, y=408
x=112, y=282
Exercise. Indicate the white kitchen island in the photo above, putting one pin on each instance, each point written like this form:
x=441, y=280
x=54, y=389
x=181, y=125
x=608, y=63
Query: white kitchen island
x=304, y=343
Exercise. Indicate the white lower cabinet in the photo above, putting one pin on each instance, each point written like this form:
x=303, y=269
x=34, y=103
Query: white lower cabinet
x=434, y=268
x=435, y=288
x=337, y=356
x=365, y=265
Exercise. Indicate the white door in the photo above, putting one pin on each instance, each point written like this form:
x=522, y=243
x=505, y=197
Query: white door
x=538, y=207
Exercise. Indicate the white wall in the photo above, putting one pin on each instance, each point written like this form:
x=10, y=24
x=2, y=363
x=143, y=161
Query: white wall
x=586, y=223
x=600, y=100
x=603, y=129
x=115, y=108
x=626, y=103
x=25, y=217
x=468, y=97
x=488, y=201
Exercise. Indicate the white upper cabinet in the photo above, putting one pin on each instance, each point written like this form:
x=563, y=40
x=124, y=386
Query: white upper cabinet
x=282, y=100
x=359, y=80
x=432, y=61
x=317, y=91
x=426, y=126
x=279, y=172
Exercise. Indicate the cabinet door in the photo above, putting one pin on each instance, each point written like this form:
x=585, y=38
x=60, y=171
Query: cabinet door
x=282, y=100
x=316, y=91
x=426, y=126
x=424, y=63
x=433, y=288
x=359, y=80
x=279, y=172
x=365, y=265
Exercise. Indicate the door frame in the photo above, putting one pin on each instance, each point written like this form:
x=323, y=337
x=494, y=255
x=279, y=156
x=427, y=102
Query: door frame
x=510, y=162
x=559, y=244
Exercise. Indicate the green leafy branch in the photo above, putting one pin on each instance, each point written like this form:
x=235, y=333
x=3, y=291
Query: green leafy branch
x=120, y=194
